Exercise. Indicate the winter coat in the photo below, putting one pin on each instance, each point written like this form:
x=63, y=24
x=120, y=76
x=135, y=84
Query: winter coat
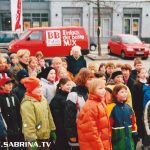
x=3, y=131
x=130, y=84
x=146, y=94
x=48, y=89
x=75, y=101
x=147, y=124
x=10, y=109
x=37, y=119
x=137, y=100
x=74, y=65
x=19, y=91
x=57, y=106
x=129, y=98
x=133, y=74
x=94, y=130
x=123, y=124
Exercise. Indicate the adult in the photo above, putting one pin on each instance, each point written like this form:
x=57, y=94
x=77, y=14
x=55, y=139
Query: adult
x=75, y=61
x=23, y=61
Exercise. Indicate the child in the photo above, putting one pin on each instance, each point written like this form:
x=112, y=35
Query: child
x=93, y=123
x=33, y=66
x=57, y=106
x=10, y=109
x=36, y=116
x=3, y=132
x=122, y=120
x=147, y=126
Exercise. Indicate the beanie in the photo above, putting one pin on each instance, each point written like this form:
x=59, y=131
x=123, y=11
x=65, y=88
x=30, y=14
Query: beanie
x=22, y=74
x=30, y=83
x=4, y=79
x=115, y=73
x=45, y=73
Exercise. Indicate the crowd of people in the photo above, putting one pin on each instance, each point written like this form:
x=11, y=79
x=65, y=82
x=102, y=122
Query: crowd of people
x=72, y=104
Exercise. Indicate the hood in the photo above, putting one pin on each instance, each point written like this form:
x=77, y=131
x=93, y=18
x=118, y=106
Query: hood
x=142, y=46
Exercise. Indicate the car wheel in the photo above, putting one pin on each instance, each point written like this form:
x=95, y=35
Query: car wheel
x=93, y=47
x=123, y=55
x=109, y=51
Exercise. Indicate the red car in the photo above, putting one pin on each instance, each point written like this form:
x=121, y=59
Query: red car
x=126, y=45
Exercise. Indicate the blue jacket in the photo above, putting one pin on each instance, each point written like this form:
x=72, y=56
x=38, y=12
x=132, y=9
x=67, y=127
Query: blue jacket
x=146, y=98
x=123, y=125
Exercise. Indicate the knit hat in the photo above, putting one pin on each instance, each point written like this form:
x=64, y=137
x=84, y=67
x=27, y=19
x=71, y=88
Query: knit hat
x=22, y=74
x=45, y=73
x=115, y=73
x=4, y=79
x=30, y=83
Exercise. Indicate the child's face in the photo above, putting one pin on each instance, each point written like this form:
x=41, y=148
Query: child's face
x=66, y=87
x=57, y=64
x=33, y=64
x=64, y=64
x=125, y=72
x=51, y=76
x=42, y=62
x=143, y=74
x=7, y=88
x=122, y=95
x=37, y=90
x=100, y=91
x=109, y=70
x=138, y=66
x=118, y=79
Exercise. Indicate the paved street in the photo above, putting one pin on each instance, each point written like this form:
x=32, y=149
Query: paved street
x=130, y=61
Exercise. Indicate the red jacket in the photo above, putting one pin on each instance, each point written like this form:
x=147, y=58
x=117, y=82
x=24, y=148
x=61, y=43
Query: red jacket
x=94, y=130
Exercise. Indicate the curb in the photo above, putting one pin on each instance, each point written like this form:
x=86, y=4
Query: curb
x=103, y=57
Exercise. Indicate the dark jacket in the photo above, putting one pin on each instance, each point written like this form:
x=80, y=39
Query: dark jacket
x=130, y=84
x=57, y=107
x=137, y=101
x=75, y=65
x=3, y=132
x=133, y=74
x=19, y=91
x=75, y=101
x=10, y=108
x=123, y=124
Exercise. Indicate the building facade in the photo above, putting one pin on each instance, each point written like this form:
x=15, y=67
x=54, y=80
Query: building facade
x=130, y=17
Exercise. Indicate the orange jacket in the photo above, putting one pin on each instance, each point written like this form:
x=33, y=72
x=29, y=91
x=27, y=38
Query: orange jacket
x=94, y=130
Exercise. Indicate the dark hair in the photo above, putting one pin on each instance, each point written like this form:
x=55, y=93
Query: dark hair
x=62, y=81
x=83, y=75
x=99, y=74
x=116, y=89
x=101, y=65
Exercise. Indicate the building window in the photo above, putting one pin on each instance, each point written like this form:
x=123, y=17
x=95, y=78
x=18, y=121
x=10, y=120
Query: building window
x=35, y=20
x=72, y=16
x=5, y=21
x=106, y=17
x=131, y=21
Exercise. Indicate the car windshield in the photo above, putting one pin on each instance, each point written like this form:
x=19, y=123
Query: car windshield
x=131, y=40
x=8, y=37
x=24, y=34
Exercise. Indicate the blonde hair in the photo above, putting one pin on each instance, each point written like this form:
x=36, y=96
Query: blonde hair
x=56, y=59
x=22, y=52
x=94, y=83
x=92, y=66
x=32, y=58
